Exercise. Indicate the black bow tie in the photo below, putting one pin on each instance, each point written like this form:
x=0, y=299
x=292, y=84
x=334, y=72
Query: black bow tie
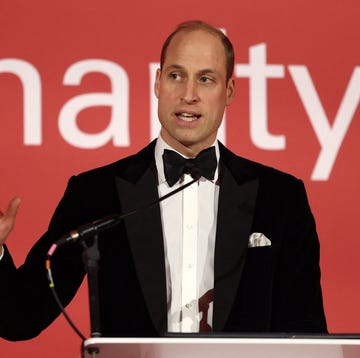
x=175, y=165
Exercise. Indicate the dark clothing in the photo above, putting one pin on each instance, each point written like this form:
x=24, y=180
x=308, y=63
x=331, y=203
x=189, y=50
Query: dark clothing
x=264, y=289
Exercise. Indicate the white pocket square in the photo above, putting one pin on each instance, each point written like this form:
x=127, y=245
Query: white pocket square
x=257, y=239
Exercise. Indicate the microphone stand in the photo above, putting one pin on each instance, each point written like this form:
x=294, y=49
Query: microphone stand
x=91, y=257
x=88, y=236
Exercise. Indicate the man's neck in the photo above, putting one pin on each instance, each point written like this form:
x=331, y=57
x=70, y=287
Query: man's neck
x=188, y=151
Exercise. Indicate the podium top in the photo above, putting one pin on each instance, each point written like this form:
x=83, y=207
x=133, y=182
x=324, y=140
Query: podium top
x=329, y=346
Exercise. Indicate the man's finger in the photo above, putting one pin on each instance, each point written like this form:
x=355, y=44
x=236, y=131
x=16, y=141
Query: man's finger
x=7, y=220
x=12, y=208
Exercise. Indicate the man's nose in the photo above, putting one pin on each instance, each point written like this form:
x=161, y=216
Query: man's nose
x=190, y=92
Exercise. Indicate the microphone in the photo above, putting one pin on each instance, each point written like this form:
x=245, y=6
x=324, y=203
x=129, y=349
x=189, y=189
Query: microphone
x=90, y=229
x=92, y=257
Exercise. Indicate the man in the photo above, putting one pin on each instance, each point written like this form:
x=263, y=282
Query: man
x=237, y=251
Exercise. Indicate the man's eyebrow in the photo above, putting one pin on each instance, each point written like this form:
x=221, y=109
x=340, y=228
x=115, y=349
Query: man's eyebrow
x=173, y=67
x=200, y=72
x=206, y=71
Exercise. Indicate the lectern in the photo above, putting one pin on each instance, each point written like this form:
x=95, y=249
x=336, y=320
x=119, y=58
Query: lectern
x=234, y=347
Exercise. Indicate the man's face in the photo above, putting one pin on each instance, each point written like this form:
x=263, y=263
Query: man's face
x=192, y=91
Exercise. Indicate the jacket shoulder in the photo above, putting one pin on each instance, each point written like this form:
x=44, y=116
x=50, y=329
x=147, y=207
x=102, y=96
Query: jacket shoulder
x=247, y=169
x=128, y=167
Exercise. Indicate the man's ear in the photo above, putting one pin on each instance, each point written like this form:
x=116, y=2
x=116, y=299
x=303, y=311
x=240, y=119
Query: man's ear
x=230, y=91
x=157, y=83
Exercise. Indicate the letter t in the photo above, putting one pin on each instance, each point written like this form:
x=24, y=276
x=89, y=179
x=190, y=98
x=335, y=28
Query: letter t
x=258, y=71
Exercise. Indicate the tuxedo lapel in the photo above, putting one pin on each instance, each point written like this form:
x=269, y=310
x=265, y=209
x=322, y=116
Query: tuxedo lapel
x=237, y=199
x=144, y=232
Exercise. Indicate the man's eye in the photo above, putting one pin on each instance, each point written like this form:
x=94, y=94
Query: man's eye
x=174, y=76
x=205, y=79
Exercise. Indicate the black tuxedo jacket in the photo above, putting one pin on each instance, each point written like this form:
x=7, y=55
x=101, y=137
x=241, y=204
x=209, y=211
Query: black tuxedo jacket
x=264, y=289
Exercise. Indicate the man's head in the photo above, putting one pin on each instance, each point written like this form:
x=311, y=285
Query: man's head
x=189, y=26
x=194, y=85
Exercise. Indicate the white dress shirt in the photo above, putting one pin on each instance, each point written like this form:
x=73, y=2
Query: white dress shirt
x=189, y=228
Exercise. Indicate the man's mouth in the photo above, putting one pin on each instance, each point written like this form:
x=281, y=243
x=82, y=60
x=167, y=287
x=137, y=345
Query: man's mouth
x=188, y=117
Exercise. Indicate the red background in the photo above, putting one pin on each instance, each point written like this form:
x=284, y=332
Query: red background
x=322, y=35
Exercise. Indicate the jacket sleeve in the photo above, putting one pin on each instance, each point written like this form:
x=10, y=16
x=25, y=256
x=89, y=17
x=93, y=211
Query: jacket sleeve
x=297, y=296
x=26, y=302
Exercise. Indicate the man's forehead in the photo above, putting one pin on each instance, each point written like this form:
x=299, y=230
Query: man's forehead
x=200, y=70
x=197, y=44
x=187, y=35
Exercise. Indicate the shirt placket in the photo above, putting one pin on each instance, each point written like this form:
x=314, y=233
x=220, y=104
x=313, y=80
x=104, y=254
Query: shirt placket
x=189, y=321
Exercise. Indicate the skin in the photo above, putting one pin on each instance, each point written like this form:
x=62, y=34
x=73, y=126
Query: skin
x=193, y=91
x=7, y=220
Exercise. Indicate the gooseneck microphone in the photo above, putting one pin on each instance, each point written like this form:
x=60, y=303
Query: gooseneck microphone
x=90, y=229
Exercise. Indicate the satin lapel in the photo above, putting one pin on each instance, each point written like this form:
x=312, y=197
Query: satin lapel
x=144, y=233
x=235, y=215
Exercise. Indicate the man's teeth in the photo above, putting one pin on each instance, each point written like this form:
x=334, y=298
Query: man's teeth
x=188, y=117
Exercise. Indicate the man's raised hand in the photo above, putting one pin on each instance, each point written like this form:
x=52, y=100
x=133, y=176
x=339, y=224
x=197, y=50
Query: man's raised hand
x=7, y=220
